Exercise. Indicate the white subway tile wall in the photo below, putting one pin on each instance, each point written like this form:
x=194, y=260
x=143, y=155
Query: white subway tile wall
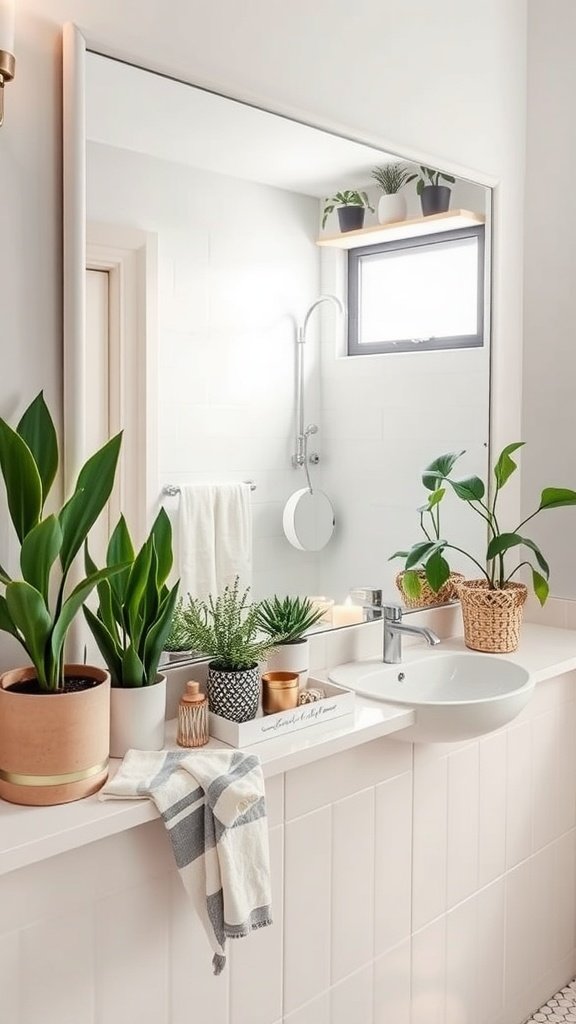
x=413, y=885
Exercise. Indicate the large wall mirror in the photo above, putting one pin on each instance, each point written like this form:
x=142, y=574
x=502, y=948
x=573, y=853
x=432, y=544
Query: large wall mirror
x=226, y=202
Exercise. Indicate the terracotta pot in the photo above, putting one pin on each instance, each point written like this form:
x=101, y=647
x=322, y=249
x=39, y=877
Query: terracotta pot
x=53, y=746
x=428, y=597
x=492, y=618
x=291, y=657
x=137, y=716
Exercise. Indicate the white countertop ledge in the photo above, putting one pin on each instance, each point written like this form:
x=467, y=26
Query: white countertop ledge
x=32, y=834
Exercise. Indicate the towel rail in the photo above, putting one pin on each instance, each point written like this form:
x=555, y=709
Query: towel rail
x=171, y=490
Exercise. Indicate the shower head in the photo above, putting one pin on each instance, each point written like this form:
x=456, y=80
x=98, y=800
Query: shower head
x=323, y=298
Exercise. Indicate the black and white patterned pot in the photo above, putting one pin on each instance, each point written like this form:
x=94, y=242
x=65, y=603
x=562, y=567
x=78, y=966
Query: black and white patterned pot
x=234, y=695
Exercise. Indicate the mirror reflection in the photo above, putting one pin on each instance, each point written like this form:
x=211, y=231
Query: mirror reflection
x=286, y=435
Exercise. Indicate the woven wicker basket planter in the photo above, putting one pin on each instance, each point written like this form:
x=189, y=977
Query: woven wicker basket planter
x=429, y=597
x=492, y=618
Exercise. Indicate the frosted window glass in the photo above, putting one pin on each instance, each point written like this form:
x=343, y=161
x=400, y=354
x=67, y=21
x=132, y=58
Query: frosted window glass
x=419, y=293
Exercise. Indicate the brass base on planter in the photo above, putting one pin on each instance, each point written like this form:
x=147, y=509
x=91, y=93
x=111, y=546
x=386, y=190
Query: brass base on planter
x=53, y=747
x=428, y=597
x=492, y=618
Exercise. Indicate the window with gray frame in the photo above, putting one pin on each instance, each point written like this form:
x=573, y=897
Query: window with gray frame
x=417, y=294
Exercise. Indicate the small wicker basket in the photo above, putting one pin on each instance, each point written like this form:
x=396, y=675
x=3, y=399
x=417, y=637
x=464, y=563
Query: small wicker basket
x=428, y=597
x=492, y=618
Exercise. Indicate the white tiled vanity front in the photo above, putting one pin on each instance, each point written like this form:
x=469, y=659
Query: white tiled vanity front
x=412, y=885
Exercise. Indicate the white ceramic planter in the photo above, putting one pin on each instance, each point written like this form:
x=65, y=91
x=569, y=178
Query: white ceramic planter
x=391, y=208
x=294, y=657
x=137, y=716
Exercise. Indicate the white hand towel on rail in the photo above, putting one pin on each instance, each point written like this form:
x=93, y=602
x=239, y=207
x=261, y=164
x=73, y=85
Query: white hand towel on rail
x=214, y=537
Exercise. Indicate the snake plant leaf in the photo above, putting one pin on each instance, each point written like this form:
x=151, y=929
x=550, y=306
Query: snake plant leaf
x=505, y=466
x=420, y=552
x=135, y=591
x=162, y=534
x=471, y=488
x=28, y=612
x=108, y=647
x=541, y=588
x=158, y=634
x=71, y=607
x=39, y=551
x=437, y=571
x=411, y=584
x=133, y=672
x=37, y=429
x=556, y=497
x=22, y=479
x=6, y=623
x=4, y=577
x=120, y=549
x=439, y=469
x=93, y=488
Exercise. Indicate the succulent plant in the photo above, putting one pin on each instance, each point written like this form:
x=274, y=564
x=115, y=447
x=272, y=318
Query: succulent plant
x=287, y=619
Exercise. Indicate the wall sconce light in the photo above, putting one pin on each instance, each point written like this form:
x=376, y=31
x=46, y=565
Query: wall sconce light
x=7, y=59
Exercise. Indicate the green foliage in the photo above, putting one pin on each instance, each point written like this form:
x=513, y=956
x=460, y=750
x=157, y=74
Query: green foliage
x=287, y=619
x=429, y=176
x=226, y=629
x=177, y=639
x=346, y=198
x=29, y=463
x=135, y=607
x=391, y=177
x=430, y=555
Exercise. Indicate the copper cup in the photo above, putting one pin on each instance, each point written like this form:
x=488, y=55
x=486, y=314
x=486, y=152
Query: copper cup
x=279, y=691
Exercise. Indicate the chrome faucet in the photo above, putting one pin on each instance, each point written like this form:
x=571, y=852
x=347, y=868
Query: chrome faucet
x=394, y=627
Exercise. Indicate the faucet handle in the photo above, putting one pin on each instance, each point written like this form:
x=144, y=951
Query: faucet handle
x=393, y=612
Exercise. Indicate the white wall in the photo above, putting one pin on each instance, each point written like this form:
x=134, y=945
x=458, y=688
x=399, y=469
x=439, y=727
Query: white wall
x=237, y=268
x=447, y=82
x=549, y=408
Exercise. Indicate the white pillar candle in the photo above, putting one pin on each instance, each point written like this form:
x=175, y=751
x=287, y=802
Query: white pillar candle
x=324, y=605
x=347, y=614
x=7, y=22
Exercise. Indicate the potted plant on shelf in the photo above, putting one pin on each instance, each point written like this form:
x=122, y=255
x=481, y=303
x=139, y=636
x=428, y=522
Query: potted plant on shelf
x=434, y=197
x=133, y=619
x=176, y=646
x=351, y=206
x=227, y=630
x=54, y=718
x=492, y=605
x=285, y=620
x=418, y=585
x=391, y=205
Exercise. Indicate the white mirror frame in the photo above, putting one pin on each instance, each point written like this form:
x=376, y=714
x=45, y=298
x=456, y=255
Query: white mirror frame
x=506, y=356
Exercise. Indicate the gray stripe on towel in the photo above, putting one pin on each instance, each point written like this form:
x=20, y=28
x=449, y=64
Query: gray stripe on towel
x=180, y=805
x=215, y=907
x=170, y=762
x=187, y=837
x=244, y=764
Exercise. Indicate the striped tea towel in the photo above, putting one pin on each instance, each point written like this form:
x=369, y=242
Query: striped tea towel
x=213, y=806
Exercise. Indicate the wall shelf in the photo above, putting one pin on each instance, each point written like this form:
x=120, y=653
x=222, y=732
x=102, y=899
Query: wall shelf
x=430, y=225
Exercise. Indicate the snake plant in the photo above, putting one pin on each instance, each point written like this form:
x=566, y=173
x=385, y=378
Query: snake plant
x=38, y=609
x=135, y=607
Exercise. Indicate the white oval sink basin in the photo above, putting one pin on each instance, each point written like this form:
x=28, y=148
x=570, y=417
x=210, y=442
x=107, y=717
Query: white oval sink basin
x=455, y=696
